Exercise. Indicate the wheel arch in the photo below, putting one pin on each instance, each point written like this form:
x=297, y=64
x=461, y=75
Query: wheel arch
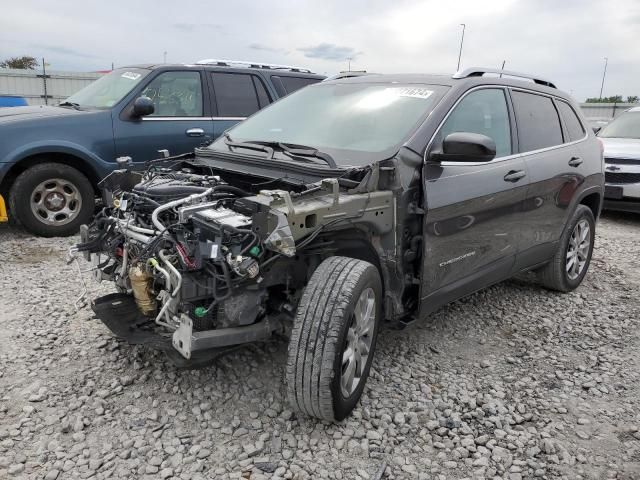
x=364, y=245
x=74, y=160
x=593, y=200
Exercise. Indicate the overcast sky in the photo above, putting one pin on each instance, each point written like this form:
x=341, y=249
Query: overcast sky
x=562, y=40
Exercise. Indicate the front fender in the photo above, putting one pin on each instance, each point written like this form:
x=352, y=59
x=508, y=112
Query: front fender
x=99, y=166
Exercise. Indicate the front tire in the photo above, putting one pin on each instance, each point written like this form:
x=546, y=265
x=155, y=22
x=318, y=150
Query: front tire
x=333, y=338
x=52, y=200
x=569, y=265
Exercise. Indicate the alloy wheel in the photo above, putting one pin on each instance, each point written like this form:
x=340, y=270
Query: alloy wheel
x=358, y=343
x=578, y=249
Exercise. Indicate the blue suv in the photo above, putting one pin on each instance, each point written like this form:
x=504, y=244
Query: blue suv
x=51, y=158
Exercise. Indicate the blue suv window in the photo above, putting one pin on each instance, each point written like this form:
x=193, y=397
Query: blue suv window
x=176, y=94
x=238, y=94
x=291, y=84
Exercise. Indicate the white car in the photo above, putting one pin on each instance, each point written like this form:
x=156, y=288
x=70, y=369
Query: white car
x=621, y=139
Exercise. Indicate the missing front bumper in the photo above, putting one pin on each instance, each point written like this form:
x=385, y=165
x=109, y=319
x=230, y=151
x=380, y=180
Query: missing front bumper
x=186, y=348
x=186, y=341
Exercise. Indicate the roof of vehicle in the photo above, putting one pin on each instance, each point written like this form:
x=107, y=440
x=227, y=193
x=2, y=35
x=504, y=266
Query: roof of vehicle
x=236, y=65
x=464, y=79
x=348, y=74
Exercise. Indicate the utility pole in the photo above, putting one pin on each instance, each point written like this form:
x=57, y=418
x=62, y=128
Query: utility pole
x=165, y=56
x=44, y=81
x=463, y=25
x=349, y=59
x=604, y=74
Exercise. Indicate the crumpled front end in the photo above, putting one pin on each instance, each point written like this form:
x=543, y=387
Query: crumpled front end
x=200, y=265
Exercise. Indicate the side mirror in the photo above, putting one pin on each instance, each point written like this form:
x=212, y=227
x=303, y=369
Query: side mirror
x=596, y=130
x=466, y=147
x=143, y=106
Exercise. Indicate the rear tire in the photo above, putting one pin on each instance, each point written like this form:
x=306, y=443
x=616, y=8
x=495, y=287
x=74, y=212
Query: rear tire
x=569, y=265
x=52, y=200
x=333, y=338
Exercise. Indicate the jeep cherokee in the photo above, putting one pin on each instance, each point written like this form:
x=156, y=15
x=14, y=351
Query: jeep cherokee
x=343, y=204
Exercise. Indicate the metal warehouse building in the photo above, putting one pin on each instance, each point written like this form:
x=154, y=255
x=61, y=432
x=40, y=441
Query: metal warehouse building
x=39, y=89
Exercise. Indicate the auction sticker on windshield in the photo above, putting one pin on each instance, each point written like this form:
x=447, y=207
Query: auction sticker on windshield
x=414, y=92
x=131, y=75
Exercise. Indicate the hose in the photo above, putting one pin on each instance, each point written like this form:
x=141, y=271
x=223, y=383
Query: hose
x=161, y=314
x=125, y=259
x=231, y=189
x=136, y=236
x=163, y=257
x=175, y=203
x=127, y=226
x=154, y=263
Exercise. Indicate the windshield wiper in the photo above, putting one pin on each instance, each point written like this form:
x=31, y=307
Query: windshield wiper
x=303, y=151
x=248, y=145
x=294, y=151
x=70, y=104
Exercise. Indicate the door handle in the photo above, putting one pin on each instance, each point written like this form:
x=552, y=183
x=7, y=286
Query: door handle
x=575, y=161
x=514, y=175
x=195, y=132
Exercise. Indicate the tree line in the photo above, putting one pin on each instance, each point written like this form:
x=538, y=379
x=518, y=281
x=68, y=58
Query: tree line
x=24, y=63
x=614, y=99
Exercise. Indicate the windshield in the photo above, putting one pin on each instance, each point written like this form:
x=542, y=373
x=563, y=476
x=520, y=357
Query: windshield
x=108, y=90
x=352, y=122
x=626, y=125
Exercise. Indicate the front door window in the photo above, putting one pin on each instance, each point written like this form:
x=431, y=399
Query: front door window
x=176, y=94
x=485, y=112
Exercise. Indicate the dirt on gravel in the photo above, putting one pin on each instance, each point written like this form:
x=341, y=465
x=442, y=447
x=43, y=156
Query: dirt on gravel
x=513, y=382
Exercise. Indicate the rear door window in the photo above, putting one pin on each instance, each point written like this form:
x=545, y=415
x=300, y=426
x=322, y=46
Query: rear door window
x=538, y=121
x=571, y=121
x=238, y=94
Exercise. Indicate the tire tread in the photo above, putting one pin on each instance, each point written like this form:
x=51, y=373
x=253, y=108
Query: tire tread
x=316, y=332
x=553, y=275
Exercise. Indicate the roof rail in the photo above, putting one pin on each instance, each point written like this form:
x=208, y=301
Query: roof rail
x=245, y=64
x=349, y=74
x=480, y=71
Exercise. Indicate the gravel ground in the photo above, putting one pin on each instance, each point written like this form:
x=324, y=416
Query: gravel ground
x=513, y=382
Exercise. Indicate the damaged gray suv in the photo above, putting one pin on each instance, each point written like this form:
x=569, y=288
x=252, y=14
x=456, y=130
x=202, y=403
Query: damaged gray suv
x=342, y=205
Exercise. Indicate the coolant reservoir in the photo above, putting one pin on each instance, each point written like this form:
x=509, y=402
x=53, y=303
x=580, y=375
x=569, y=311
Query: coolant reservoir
x=141, y=286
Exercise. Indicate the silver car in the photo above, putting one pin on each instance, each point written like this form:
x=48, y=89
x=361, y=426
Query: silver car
x=621, y=139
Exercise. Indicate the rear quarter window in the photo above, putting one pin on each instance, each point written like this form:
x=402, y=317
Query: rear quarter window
x=238, y=94
x=537, y=120
x=291, y=84
x=571, y=121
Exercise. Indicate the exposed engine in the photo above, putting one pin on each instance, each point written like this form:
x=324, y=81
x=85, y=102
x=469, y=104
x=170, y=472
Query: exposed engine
x=208, y=263
x=183, y=244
